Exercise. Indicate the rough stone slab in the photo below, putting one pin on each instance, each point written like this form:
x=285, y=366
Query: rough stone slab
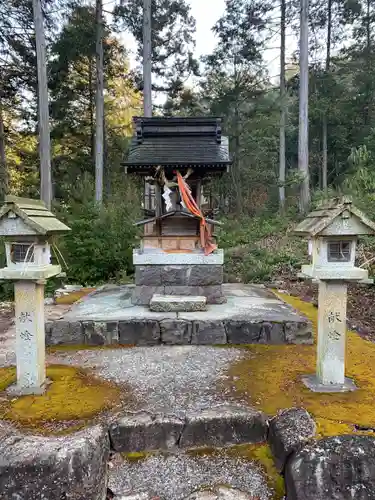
x=206, y=276
x=175, y=303
x=145, y=432
x=335, y=468
x=65, y=332
x=254, y=290
x=289, y=431
x=53, y=468
x=298, y=332
x=139, y=332
x=220, y=493
x=313, y=383
x=222, y=426
x=175, y=275
x=271, y=333
x=208, y=333
x=148, y=276
x=184, y=290
x=175, y=332
x=143, y=294
x=154, y=257
x=97, y=333
x=242, y=332
x=214, y=294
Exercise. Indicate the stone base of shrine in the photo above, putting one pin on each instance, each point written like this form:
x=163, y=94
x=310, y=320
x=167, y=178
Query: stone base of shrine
x=251, y=315
x=179, y=274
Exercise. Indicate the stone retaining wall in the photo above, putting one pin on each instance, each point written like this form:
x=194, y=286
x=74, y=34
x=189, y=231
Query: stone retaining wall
x=75, y=466
x=176, y=332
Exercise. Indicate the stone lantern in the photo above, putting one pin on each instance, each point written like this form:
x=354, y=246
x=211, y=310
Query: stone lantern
x=28, y=229
x=333, y=230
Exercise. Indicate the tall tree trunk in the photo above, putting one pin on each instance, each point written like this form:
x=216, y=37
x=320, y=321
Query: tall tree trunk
x=147, y=61
x=3, y=159
x=107, y=172
x=236, y=170
x=91, y=110
x=368, y=64
x=303, y=140
x=368, y=27
x=283, y=103
x=325, y=119
x=99, y=135
x=43, y=112
x=147, y=76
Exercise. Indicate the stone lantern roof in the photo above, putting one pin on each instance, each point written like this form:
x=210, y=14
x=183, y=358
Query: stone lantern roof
x=33, y=218
x=318, y=221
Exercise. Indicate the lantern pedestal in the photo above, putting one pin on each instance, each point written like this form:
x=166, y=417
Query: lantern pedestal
x=313, y=383
x=331, y=333
x=30, y=338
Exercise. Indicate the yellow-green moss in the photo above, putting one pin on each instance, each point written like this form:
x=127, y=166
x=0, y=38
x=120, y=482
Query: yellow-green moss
x=7, y=377
x=259, y=453
x=270, y=378
x=136, y=456
x=72, y=297
x=73, y=396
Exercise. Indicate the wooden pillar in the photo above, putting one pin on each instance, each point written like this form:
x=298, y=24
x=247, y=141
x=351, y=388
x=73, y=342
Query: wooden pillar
x=199, y=193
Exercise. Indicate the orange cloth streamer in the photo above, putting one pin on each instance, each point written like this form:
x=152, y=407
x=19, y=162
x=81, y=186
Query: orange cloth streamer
x=205, y=234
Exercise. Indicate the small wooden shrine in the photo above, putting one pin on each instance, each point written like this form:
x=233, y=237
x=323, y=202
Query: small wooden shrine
x=175, y=157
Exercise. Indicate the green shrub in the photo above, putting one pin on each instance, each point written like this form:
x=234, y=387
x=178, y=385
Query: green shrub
x=100, y=245
x=258, y=250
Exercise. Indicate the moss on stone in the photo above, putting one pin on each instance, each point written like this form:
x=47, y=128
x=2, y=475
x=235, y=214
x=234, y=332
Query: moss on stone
x=259, y=453
x=72, y=297
x=74, y=396
x=270, y=378
x=137, y=456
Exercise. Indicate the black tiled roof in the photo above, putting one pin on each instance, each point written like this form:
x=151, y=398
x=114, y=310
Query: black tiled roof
x=178, y=141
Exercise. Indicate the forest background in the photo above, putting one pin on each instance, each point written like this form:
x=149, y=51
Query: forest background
x=257, y=202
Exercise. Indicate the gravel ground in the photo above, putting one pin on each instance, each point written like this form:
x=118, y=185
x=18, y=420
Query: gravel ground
x=165, y=379
x=174, y=477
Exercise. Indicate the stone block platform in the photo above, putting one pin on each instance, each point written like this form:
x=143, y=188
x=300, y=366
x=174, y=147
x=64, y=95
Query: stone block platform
x=251, y=315
x=176, y=303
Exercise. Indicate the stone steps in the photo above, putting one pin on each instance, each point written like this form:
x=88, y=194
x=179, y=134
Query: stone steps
x=178, y=303
x=215, y=427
